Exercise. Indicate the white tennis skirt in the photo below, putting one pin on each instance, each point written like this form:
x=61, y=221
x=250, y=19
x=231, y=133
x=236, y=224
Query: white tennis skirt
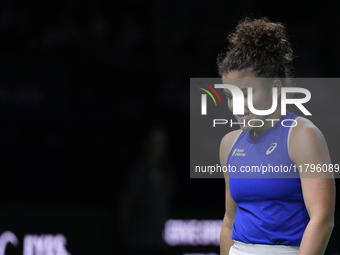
x=240, y=248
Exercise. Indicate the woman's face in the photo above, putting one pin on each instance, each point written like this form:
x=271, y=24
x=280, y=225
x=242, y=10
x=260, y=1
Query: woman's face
x=262, y=99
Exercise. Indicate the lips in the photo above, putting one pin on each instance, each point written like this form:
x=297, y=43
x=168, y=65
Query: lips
x=242, y=117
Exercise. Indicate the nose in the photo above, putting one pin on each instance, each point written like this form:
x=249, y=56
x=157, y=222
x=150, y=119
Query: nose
x=230, y=104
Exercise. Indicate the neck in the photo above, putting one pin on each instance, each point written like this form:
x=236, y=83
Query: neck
x=271, y=121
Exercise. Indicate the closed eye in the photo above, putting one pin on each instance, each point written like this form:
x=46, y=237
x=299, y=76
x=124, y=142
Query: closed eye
x=229, y=96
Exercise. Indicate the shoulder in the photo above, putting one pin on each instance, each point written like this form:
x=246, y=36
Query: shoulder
x=226, y=144
x=303, y=123
x=229, y=139
x=305, y=129
x=306, y=140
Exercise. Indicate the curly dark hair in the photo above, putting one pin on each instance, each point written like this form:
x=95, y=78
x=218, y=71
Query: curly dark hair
x=259, y=46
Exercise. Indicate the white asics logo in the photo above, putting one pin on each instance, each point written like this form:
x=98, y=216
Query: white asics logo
x=271, y=148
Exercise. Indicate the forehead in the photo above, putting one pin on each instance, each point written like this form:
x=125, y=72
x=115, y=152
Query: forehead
x=241, y=80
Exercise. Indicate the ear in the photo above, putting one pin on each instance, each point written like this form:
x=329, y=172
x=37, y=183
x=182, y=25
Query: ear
x=278, y=84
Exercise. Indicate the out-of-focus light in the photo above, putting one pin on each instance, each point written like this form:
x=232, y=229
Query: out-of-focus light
x=47, y=244
x=192, y=232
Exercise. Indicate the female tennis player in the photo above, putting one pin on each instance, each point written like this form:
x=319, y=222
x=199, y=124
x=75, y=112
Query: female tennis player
x=271, y=215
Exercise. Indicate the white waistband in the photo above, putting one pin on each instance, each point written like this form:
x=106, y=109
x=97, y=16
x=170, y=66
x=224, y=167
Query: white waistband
x=263, y=249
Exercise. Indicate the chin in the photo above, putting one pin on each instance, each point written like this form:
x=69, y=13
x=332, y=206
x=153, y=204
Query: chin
x=246, y=128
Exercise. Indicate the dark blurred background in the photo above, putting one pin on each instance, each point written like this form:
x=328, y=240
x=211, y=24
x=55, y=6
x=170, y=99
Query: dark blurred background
x=83, y=83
